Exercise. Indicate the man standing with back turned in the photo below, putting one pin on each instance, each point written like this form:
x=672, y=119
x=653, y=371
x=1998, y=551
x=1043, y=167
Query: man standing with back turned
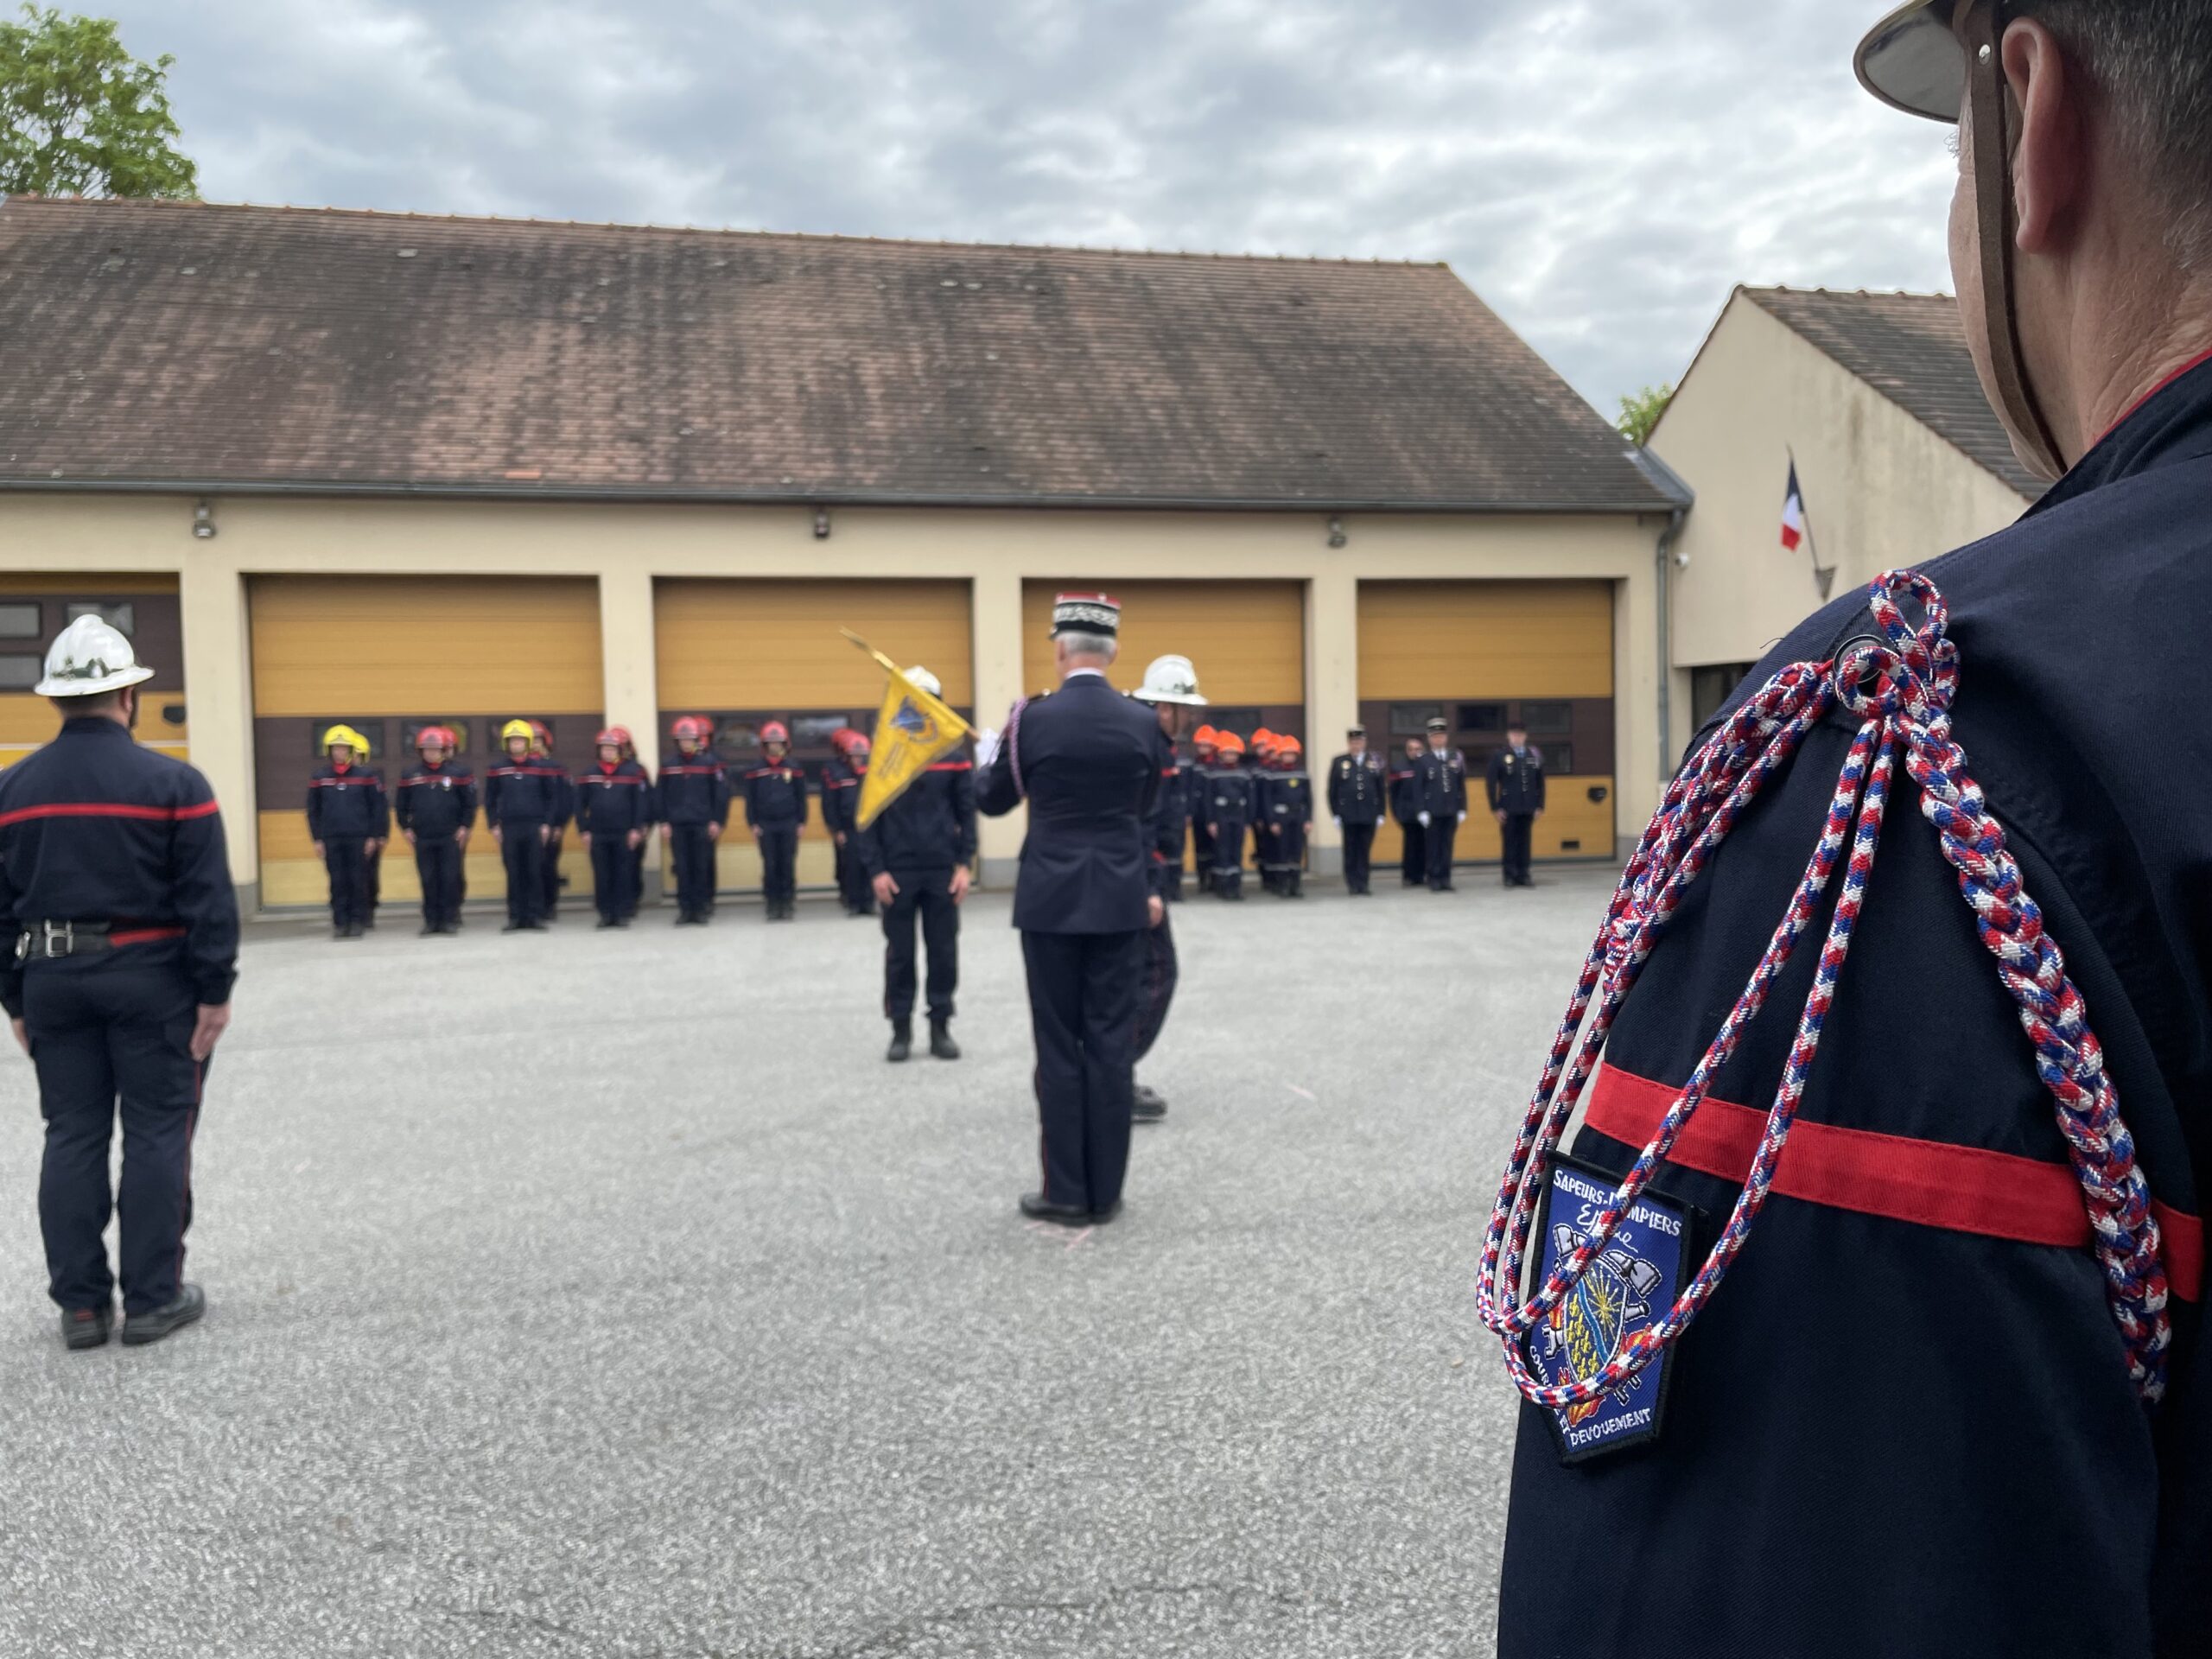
x=116, y=899
x=1951, y=1395
x=1088, y=761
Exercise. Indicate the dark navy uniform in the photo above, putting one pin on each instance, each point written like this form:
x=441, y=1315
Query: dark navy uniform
x=1515, y=784
x=1171, y=821
x=612, y=803
x=775, y=807
x=113, y=876
x=841, y=799
x=1355, y=793
x=1441, y=785
x=1227, y=790
x=1195, y=804
x=694, y=796
x=434, y=804
x=1088, y=761
x=519, y=800
x=562, y=791
x=1284, y=799
x=1164, y=834
x=918, y=841
x=346, y=810
x=1404, y=786
x=1903, y=1424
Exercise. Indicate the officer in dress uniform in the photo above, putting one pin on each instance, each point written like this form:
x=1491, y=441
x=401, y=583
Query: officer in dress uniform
x=1404, y=783
x=1171, y=686
x=917, y=855
x=1962, y=1348
x=116, y=893
x=613, y=810
x=1515, y=784
x=435, y=805
x=520, y=794
x=775, y=809
x=1355, y=793
x=1441, y=785
x=561, y=807
x=1088, y=760
x=695, y=804
x=348, y=817
x=1286, y=810
x=1227, y=807
x=1205, y=756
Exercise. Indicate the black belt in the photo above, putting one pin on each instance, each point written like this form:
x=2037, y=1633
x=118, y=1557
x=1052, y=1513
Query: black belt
x=49, y=941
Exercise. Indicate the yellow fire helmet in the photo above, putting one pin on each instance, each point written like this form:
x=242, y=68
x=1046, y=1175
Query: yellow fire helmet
x=517, y=729
x=346, y=736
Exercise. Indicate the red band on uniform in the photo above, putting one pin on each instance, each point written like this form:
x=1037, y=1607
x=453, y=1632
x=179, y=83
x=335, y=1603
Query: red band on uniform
x=1930, y=1183
x=144, y=935
x=108, y=810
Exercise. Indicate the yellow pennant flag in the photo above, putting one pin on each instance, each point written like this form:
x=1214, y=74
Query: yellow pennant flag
x=912, y=729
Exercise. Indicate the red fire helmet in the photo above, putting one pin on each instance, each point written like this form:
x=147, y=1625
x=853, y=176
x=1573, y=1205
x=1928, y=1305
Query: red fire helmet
x=775, y=732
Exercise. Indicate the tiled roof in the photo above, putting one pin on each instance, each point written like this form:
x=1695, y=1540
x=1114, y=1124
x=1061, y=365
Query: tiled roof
x=149, y=343
x=1912, y=349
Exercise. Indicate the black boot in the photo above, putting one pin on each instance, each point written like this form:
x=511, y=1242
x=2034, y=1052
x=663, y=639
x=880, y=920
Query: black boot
x=1145, y=1106
x=902, y=1042
x=87, y=1327
x=138, y=1329
x=941, y=1043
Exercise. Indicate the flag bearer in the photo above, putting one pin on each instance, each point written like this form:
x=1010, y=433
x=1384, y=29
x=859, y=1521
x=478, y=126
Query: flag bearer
x=1285, y=806
x=1440, y=776
x=1229, y=809
x=775, y=809
x=918, y=852
x=520, y=795
x=840, y=794
x=436, y=805
x=123, y=932
x=561, y=794
x=1404, y=784
x=694, y=805
x=1206, y=755
x=1355, y=793
x=1514, y=783
x=613, y=810
x=348, y=817
x=1171, y=686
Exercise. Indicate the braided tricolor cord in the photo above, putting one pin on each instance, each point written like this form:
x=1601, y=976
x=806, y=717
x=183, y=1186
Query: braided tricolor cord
x=1901, y=689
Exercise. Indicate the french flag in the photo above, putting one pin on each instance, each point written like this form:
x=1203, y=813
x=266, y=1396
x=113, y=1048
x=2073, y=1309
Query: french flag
x=1793, y=513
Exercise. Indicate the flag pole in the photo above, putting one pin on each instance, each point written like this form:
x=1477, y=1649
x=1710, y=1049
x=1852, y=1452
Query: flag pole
x=899, y=674
x=1824, y=579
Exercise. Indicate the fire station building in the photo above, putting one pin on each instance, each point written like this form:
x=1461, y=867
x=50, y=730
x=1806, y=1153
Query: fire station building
x=389, y=470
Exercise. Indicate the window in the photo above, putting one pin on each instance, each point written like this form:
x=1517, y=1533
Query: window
x=1711, y=688
x=1411, y=719
x=1558, y=758
x=20, y=673
x=1481, y=717
x=1556, y=717
x=122, y=616
x=19, y=621
x=814, y=731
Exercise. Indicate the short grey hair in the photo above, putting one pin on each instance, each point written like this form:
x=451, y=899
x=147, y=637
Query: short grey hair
x=1089, y=645
x=2150, y=64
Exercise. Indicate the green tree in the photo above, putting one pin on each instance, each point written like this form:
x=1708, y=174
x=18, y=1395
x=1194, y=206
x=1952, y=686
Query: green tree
x=1641, y=412
x=80, y=116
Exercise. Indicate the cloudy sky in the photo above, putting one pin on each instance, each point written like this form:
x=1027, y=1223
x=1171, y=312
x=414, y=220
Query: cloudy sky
x=1601, y=171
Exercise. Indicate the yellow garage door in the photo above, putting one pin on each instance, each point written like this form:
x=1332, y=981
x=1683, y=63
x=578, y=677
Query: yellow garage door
x=1247, y=639
x=744, y=653
x=1482, y=654
x=389, y=654
x=35, y=607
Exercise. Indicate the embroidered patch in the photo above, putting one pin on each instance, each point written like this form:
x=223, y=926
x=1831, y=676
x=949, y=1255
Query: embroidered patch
x=1634, y=1282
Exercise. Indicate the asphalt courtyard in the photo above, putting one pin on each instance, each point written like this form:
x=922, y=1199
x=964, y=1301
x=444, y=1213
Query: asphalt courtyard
x=606, y=1293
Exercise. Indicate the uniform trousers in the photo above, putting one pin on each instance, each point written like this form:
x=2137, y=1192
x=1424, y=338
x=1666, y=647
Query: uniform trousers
x=614, y=875
x=853, y=886
x=526, y=858
x=1202, y=857
x=375, y=862
x=778, y=859
x=637, y=887
x=347, y=858
x=692, y=852
x=98, y=1031
x=1413, y=856
x=1228, y=859
x=1158, y=991
x=1441, y=832
x=437, y=863
x=925, y=894
x=1082, y=1009
x=1359, y=842
x=1517, y=828
x=549, y=878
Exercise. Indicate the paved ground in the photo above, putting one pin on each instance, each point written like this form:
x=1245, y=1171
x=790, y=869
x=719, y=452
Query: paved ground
x=607, y=1294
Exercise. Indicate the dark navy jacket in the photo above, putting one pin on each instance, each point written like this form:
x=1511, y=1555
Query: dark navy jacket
x=348, y=805
x=1168, y=828
x=614, y=802
x=1897, y=1436
x=929, y=828
x=775, y=795
x=525, y=791
x=1088, y=761
x=95, y=829
x=1283, y=799
x=436, y=801
x=1356, y=788
x=1514, y=783
x=1225, y=799
x=841, y=795
x=1405, y=789
x=694, y=790
x=1441, y=784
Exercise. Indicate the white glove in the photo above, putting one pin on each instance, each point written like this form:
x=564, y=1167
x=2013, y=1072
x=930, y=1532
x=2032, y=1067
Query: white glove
x=1340, y=823
x=1463, y=817
x=987, y=747
x=1422, y=820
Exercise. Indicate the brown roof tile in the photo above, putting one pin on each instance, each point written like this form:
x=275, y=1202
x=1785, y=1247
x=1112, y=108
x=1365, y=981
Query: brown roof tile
x=1912, y=349
x=210, y=345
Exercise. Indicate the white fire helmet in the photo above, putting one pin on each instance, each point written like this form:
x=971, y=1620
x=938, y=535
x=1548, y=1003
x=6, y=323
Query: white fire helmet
x=1171, y=679
x=927, y=681
x=89, y=658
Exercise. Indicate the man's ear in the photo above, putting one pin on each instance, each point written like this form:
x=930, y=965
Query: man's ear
x=2048, y=172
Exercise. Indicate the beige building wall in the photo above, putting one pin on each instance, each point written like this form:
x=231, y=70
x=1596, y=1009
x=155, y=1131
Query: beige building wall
x=1881, y=490
x=625, y=547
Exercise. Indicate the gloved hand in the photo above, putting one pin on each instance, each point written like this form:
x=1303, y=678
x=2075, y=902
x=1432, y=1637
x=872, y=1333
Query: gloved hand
x=1463, y=817
x=1340, y=823
x=987, y=747
x=1421, y=818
